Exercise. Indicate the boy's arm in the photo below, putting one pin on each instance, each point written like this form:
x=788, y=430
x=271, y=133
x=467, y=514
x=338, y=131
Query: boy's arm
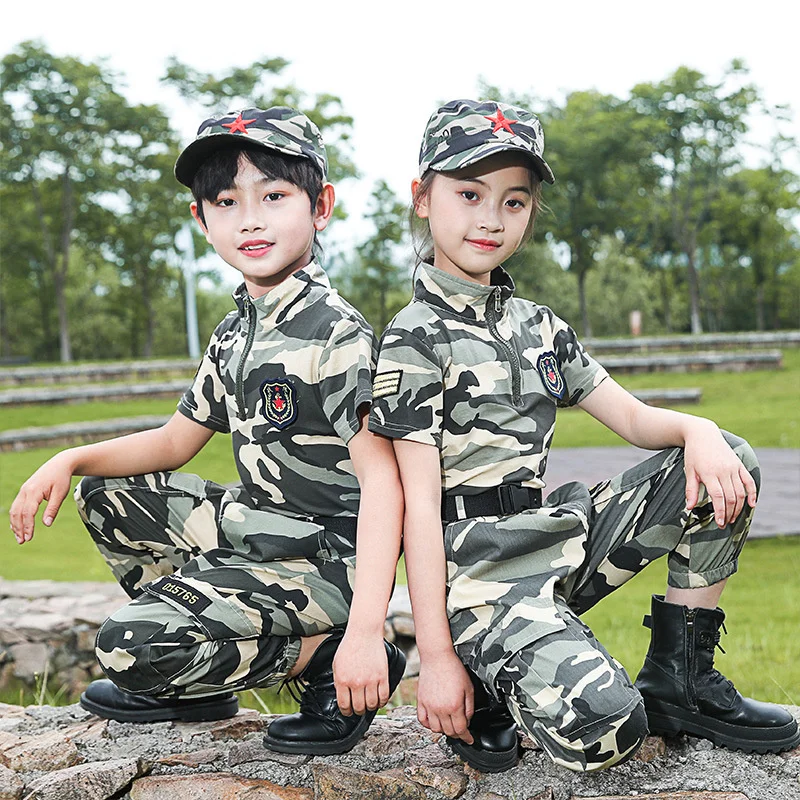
x=161, y=449
x=708, y=458
x=444, y=695
x=360, y=666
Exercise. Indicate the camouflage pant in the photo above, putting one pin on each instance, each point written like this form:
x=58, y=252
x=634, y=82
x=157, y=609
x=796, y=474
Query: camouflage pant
x=516, y=585
x=222, y=592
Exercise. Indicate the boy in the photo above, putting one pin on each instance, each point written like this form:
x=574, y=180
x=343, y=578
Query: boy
x=253, y=585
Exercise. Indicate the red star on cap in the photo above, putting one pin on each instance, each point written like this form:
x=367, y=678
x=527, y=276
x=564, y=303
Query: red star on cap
x=501, y=122
x=238, y=125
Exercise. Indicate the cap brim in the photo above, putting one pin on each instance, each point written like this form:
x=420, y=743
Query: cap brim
x=195, y=153
x=486, y=149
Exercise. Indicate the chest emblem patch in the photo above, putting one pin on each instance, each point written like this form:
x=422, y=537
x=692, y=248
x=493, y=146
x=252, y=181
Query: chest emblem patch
x=550, y=372
x=279, y=402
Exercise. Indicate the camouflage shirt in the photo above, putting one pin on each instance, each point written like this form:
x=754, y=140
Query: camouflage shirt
x=479, y=374
x=285, y=374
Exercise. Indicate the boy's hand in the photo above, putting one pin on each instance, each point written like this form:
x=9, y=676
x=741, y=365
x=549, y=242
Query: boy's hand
x=51, y=482
x=361, y=674
x=445, y=699
x=709, y=460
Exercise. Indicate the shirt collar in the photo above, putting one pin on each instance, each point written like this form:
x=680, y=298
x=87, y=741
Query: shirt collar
x=462, y=297
x=273, y=304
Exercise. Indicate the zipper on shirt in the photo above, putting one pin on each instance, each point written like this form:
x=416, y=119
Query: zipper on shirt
x=491, y=319
x=249, y=318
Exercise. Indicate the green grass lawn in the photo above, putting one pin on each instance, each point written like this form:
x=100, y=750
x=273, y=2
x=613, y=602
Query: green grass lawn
x=763, y=646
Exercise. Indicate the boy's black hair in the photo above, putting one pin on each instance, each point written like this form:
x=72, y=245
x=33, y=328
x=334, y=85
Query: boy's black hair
x=218, y=172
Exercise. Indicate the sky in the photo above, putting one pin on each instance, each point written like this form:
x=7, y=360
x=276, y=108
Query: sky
x=393, y=64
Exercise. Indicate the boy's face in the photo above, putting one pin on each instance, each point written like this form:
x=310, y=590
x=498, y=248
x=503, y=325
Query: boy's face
x=478, y=215
x=263, y=227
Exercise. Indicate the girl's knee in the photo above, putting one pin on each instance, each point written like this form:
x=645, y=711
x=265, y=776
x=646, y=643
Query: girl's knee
x=746, y=455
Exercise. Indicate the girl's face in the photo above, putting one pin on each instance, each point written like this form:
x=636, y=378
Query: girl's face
x=478, y=215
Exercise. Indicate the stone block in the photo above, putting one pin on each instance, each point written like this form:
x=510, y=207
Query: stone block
x=652, y=747
x=46, y=752
x=10, y=784
x=246, y=721
x=29, y=659
x=195, y=759
x=214, y=786
x=342, y=783
x=97, y=781
x=254, y=750
x=700, y=795
x=451, y=783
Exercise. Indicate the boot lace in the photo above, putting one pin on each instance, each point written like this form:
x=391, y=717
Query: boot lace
x=714, y=676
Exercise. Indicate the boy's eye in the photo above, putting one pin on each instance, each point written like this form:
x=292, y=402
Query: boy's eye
x=225, y=202
x=273, y=196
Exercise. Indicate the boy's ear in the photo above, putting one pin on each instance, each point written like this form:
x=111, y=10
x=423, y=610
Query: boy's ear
x=193, y=209
x=420, y=203
x=324, y=210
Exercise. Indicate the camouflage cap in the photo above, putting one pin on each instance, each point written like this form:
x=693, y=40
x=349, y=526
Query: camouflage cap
x=278, y=128
x=466, y=131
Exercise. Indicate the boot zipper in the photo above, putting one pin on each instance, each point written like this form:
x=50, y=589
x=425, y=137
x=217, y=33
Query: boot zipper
x=690, y=645
x=249, y=318
x=491, y=320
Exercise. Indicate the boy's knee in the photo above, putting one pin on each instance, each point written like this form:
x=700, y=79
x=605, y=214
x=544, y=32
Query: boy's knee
x=143, y=646
x=87, y=487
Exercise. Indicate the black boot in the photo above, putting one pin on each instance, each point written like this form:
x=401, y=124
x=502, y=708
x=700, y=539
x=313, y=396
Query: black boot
x=496, y=746
x=107, y=700
x=320, y=728
x=684, y=693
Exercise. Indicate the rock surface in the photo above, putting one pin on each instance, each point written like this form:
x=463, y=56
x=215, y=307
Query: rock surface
x=96, y=759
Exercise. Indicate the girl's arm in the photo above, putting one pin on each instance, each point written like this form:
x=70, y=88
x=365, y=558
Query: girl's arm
x=360, y=667
x=708, y=459
x=164, y=448
x=444, y=693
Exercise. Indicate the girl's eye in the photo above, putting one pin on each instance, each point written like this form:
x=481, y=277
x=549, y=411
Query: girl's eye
x=468, y=194
x=514, y=203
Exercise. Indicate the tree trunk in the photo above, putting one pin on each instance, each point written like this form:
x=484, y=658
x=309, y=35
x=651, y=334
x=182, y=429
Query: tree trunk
x=665, y=299
x=760, y=325
x=62, y=267
x=587, y=326
x=149, y=315
x=694, y=291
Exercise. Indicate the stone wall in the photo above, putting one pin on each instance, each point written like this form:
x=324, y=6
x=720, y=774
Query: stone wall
x=66, y=754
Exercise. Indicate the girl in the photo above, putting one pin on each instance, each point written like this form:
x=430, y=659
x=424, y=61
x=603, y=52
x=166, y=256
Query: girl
x=468, y=382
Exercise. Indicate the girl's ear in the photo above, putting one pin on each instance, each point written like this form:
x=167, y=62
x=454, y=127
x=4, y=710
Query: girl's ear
x=324, y=209
x=420, y=202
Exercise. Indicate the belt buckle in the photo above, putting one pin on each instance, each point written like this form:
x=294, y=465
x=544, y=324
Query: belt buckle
x=513, y=498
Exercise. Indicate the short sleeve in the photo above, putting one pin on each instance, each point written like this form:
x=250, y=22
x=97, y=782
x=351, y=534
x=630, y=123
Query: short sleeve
x=408, y=390
x=580, y=371
x=204, y=401
x=345, y=375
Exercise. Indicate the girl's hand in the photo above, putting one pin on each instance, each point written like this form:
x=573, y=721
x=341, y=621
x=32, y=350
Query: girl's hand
x=361, y=674
x=51, y=482
x=709, y=459
x=445, y=699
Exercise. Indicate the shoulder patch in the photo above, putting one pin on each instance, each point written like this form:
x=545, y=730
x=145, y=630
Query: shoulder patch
x=550, y=372
x=386, y=383
x=279, y=402
x=180, y=593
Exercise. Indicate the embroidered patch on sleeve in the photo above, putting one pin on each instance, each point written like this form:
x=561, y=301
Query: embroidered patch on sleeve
x=386, y=383
x=550, y=372
x=180, y=593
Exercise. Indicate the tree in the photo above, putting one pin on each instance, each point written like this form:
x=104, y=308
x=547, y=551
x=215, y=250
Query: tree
x=374, y=282
x=59, y=136
x=694, y=147
x=755, y=210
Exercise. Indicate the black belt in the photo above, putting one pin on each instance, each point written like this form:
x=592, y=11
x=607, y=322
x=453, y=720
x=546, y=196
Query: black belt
x=497, y=502
x=345, y=526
